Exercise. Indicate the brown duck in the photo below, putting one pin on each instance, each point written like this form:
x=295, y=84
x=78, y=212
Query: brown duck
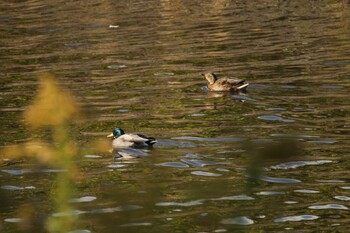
x=224, y=84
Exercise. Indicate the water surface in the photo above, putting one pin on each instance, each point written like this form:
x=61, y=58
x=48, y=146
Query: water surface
x=144, y=76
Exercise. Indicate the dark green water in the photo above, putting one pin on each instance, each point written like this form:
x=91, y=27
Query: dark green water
x=218, y=165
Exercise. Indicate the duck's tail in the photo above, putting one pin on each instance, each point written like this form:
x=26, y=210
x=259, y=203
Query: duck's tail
x=151, y=141
x=243, y=86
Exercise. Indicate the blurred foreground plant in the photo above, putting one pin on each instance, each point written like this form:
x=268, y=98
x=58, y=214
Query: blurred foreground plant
x=262, y=155
x=53, y=109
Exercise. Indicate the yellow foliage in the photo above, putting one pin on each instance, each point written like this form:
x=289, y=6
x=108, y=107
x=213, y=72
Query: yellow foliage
x=27, y=214
x=55, y=108
x=42, y=151
x=52, y=106
x=101, y=145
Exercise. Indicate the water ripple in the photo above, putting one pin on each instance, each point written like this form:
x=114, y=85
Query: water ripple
x=116, y=66
x=288, y=86
x=173, y=164
x=166, y=143
x=331, y=87
x=306, y=191
x=324, y=141
x=80, y=231
x=293, y=135
x=69, y=213
x=274, y=118
x=164, y=74
x=259, y=86
x=243, y=97
x=78, y=44
x=92, y=156
x=222, y=170
x=48, y=170
x=331, y=181
x=278, y=180
x=191, y=138
x=290, y=202
x=83, y=199
x=242, y=220
x=192, y=156
x=115, y=209
x=116, y=165
x=197, y=114
x=296, y=164
x=336, y=63
x=136, y=224
x=16, y=172
x=276, y=109
x=241, y=197
x=296, y=218
x=201, y=173
x=15, y=188
x=220, y=230
x=342, y=198
x=328, y=206
x=270, y=193
x=234, y=198
x=183, y=204
x=13, y=220
x=201, y=163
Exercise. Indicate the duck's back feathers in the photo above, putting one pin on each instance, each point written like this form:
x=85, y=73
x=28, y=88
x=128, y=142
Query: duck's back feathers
x=227, y=84
x=230, y=81
x=133, y=140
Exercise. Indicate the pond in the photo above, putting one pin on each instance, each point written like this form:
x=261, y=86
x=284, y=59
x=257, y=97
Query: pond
x=272, y=159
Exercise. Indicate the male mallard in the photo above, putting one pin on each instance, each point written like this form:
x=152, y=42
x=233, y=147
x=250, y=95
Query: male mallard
x=121, y=139
x=224, y=84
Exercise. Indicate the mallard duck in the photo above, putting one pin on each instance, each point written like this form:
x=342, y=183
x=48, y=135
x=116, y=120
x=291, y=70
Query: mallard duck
x=122, y=140
x=224, y=84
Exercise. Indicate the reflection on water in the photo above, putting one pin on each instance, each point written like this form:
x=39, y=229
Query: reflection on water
x=238, y=220
x=296, y=218
x=144, y=76
x=329, y=206
x=296, y=164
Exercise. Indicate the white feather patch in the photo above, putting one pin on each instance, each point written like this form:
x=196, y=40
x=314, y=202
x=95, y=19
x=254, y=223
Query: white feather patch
x=243, y=86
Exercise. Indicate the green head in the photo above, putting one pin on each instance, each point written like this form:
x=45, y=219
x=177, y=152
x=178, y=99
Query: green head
x=117, y=132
